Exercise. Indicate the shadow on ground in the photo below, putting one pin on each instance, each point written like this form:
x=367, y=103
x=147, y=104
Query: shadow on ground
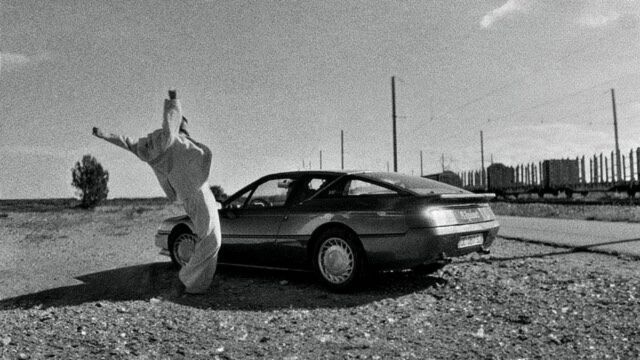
x=493, y=259
x=233, y=289
x=594, y=247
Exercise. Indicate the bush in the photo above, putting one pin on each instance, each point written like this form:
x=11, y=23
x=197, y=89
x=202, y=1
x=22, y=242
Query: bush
x=218, y=193
x=91, y=180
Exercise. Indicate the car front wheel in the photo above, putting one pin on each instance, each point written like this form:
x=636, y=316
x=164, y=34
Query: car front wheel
x=181, y=249
x=338, y=260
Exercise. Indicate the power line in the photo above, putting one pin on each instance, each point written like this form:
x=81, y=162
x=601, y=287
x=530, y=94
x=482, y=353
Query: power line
x=558, y=99
x=508, y=84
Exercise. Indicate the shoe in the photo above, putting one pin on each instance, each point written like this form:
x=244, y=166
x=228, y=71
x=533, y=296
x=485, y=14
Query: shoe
x=177, y=289
x=191, y=294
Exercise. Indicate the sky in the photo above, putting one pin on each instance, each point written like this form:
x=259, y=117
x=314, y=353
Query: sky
x=269, y=85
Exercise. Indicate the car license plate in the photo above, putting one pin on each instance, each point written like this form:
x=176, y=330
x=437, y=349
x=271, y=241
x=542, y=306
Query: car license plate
x=470, y=240
x=466, y=216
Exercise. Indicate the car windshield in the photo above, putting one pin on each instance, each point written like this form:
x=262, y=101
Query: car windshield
x=415, y=184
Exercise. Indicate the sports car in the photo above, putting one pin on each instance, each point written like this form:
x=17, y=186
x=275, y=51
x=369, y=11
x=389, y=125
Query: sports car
x=342, y=225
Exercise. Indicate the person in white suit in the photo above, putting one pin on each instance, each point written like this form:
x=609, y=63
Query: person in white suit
x=182, y=167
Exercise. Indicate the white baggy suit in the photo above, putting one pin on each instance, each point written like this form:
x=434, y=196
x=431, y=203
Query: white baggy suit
x=182, y=167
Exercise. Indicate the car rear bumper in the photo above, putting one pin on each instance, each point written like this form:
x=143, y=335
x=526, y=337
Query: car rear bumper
x=426, y=245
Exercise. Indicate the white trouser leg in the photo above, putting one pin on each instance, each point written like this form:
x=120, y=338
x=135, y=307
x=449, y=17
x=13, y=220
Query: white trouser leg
x=198, y=274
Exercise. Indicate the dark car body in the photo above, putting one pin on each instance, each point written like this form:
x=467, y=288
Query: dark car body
x=392, y=221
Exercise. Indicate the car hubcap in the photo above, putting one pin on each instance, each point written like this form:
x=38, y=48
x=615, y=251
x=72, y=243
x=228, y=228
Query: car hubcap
x=183, y=248
x=336, y=260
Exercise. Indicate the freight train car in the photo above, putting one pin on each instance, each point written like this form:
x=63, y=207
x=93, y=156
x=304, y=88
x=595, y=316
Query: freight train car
x=600, y=173
x=560, y=175
x=500, y=178
x=549, y=177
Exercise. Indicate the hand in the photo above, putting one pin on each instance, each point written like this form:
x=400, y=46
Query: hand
x=98, y=133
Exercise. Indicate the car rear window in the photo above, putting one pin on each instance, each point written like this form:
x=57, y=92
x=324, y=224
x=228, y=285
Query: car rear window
x=416, y=184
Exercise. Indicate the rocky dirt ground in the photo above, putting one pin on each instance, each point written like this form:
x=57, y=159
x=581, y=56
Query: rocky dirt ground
x=90, y=285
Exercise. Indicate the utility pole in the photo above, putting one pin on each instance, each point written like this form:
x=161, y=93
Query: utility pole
x=615, y=128
x=483, y=180
x=442, y=161
x=342, y=149
x=393, y=113
x=421, y=172
x=320, y=159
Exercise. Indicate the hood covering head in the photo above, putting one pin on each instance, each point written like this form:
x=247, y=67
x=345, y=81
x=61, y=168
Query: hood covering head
x=183, y=126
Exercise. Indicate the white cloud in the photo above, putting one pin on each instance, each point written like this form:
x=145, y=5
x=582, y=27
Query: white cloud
x=595, y=19
x=510, y=7
x=13, y=61
x=599, y=13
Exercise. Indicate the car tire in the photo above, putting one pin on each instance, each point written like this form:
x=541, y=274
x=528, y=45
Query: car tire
x=181, y=248
x=338, y=260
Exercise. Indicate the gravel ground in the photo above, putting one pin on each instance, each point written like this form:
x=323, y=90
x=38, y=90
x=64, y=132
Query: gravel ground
x=90, y=285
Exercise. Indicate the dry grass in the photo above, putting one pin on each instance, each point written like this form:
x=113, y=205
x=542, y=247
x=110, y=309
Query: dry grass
x=626, y=213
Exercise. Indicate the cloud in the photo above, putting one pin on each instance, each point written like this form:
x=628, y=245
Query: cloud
x=13, y=61
x=510, y=7
x=600, y=13
x=595, y=19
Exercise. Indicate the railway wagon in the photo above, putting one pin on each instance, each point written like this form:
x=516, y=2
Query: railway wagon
x=560, y=174
x=500, y=178
x=550, y=177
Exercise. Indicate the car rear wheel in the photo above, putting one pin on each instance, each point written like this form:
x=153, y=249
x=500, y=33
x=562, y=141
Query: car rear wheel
x=338, y=260
x=181, y=248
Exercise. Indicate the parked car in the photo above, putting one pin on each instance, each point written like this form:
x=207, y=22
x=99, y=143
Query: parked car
x=341, y=225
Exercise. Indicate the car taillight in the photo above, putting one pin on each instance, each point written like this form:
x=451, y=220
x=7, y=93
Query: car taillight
x=441, y=217
x=454, y=216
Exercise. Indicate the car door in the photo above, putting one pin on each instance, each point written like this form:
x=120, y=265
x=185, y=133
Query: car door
x=299, y=222
x=250, y=223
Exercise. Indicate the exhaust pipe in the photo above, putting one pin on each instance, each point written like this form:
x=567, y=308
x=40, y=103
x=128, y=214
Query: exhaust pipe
x=444, y=260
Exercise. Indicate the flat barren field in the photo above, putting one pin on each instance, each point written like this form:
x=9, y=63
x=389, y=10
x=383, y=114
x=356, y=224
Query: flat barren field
x=78, y=284
x=609, y=212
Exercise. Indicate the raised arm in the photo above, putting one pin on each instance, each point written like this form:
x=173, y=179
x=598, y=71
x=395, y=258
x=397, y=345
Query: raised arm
x=124, y=142
x=172, y=117
x=157, y=142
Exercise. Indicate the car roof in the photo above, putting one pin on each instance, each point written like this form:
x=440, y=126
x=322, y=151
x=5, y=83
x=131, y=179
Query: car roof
x=318, y=172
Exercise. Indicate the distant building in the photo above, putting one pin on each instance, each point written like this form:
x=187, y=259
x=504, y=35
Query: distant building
x=447, y=177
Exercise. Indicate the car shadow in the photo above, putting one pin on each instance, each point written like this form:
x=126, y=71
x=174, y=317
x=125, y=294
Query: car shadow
x=233, y=289
x=594, y=247
x=492, y=259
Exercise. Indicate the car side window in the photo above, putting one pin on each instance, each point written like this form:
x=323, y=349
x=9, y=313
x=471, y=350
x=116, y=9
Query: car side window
x=354, y=187
x=359, y=187
x=271, y=193
x=306, y=189
x=239, y=201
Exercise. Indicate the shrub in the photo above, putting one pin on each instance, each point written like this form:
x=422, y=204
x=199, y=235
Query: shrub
x=91, y=181
x=218, y=193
